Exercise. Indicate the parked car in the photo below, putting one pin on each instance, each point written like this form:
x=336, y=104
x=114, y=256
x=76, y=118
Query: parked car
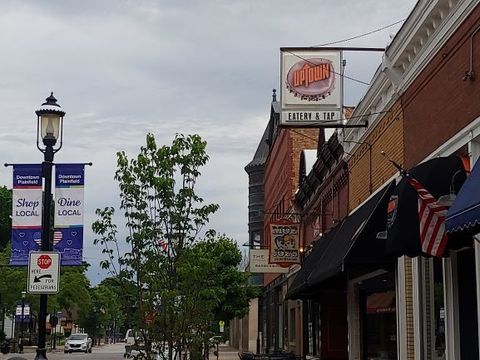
x=78, y=342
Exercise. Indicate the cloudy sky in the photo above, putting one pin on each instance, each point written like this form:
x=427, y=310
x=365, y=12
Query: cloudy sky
x=122, y=68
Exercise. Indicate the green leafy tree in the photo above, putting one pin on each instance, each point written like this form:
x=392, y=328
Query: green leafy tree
x=174, y=300
x=5, y=213
x=214, y=288
x=74, y=294
x=12, y=281
x=104, y=311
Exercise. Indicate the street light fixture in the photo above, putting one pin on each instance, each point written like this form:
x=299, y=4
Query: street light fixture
x=50, y=125
x=50, y=132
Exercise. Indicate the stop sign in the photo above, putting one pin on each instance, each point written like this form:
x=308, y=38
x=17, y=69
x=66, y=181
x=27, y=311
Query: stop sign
x=44, y=261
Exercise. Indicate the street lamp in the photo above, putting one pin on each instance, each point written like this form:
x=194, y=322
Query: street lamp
x=49, y=141
x=22, y=319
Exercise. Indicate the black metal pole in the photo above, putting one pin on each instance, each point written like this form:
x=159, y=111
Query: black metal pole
x=3, y=319
x=21, y=325
x=3, y=315
x=55, y=328
x=46, y=245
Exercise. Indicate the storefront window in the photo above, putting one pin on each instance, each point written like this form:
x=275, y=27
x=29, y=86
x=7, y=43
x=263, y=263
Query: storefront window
x=312, y=327
x=439, y=310
x=379, y=318
x=292, y=326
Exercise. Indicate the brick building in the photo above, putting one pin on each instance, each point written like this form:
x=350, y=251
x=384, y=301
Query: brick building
x=281, y=181
x=397, y=303
x=426, y=84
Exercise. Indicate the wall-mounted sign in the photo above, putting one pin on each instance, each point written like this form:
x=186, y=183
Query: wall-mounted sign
x=311, y=86
x=284, y=243
x=259, y=262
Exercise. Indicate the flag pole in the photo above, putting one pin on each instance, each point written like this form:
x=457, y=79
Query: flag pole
x=403, y=172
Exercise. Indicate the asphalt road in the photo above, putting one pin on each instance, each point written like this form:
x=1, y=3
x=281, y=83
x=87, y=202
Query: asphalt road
x=104, y=352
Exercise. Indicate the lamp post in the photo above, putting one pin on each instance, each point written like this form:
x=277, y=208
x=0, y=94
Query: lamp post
x=20, y=343
x=49, y=141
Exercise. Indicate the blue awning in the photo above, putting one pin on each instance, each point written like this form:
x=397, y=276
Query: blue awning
x=463, y=217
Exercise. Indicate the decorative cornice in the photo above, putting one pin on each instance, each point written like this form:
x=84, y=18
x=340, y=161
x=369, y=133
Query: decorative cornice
x=428, y=27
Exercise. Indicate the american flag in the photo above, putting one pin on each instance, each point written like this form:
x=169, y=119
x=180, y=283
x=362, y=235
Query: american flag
x=163, y=245
x=431, y=216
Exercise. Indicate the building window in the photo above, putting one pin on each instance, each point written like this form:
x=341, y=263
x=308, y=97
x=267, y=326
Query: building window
x=433, y=309
x=378, y=317
x=291, y=328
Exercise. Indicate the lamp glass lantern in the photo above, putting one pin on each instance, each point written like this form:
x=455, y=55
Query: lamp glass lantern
x=50, y=124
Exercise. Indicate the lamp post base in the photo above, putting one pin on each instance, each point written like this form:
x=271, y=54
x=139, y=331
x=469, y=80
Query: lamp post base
x=41, y=354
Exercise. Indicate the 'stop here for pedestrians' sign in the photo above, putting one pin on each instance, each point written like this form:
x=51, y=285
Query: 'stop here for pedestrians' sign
x=43, y=272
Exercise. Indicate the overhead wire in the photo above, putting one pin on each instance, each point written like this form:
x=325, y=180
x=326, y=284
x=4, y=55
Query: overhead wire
x=337, y=73
x=361, y=35
x=344, y=40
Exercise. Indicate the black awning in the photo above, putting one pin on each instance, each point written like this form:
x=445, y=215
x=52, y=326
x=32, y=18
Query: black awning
x=438, y=176
x=355, y=241
x=299, y=287
x=463, y=217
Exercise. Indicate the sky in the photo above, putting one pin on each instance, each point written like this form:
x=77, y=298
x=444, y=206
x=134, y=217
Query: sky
x=122, y=68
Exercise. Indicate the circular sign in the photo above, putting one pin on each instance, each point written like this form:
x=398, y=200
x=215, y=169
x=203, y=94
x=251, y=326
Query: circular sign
x=44, y=261
x=311, y=79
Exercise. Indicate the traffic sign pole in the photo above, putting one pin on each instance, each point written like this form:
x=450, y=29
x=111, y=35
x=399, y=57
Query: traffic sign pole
x=45, y=246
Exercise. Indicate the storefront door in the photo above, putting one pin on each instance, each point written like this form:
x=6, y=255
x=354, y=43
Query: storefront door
x=378, y=318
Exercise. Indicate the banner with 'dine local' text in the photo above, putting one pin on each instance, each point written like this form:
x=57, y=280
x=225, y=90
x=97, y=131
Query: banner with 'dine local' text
x=26, y=212
x=68, y=233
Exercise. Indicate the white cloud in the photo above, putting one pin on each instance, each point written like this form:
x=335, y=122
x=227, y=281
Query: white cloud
x=122, y=68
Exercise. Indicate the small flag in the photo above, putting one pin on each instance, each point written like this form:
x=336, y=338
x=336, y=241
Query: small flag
x=431, y=216
x=163, y=245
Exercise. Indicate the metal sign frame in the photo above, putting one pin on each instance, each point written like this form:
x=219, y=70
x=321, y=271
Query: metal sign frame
x=50, y=276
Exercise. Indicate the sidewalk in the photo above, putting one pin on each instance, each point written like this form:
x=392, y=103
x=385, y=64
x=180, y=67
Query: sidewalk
x=225, y=352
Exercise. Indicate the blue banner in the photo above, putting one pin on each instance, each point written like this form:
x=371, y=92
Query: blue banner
x=26, y=212
x=68, y=233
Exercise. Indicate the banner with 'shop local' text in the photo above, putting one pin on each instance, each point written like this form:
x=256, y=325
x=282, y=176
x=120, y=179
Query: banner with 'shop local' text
x=26, y=212
x=68, y=233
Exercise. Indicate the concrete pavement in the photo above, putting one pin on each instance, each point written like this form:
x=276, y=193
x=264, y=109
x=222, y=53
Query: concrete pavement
x=110, y=352
x=226, y=353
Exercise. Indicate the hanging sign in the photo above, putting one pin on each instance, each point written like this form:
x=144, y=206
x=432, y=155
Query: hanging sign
x=311, y=86
x=26, y=212
x=259, y=263
x=68, y=233
x=284, y=243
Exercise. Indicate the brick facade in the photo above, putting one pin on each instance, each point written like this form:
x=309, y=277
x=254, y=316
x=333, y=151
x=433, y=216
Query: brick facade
x=368, y=168
x=323, y=196
x=440, y=102
x=282, y=175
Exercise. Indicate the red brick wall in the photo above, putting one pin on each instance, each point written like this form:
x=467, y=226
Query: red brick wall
x=328, y=209
x=282, y=175
x=439, y=103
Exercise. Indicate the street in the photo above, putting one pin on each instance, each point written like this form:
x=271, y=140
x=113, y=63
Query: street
x=110, y=352
x=104, y=352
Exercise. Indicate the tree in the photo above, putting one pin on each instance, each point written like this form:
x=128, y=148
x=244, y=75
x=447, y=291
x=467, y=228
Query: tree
x=74, y=294
x=214, y=288
x=175, y=300
x=103, y=312
x=5, y=213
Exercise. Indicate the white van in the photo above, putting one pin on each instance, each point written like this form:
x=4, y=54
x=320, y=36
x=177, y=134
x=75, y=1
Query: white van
x=133, y=341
